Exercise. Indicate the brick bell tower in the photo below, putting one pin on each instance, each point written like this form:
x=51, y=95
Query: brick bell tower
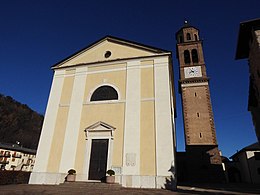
x=202, y=161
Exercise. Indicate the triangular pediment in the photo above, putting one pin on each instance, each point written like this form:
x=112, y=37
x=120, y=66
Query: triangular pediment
x=109, y=49
x=100, y=129
x=100, y=126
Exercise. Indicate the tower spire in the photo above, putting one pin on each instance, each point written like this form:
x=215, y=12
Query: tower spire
x=186, y=23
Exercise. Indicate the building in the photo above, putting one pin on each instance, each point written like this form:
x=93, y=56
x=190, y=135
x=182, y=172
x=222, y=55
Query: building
x=17, y=158
x=248, y=46
x=201, y=162
x=245, y=165
x=111, y=106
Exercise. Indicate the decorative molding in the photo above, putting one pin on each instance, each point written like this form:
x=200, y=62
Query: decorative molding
x=193, y=84
x=112, y=62
x=105, y=71
x=105, y=102
x=147, y=99
x=64, y=105
x=100, y=127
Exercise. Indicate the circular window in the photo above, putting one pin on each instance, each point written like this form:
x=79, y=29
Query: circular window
x=108, y=54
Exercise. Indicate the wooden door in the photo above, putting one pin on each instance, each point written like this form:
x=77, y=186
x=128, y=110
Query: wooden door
x=98, y=159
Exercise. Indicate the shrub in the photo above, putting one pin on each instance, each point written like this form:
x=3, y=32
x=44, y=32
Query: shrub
x=110, y=172
x=72, y=172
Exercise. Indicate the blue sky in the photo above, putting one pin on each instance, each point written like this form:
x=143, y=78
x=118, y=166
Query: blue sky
x=36, y=34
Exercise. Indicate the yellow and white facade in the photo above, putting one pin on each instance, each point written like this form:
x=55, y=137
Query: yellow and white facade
x=137, y=123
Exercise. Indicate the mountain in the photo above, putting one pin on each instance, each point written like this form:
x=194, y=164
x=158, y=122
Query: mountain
x=19, y=123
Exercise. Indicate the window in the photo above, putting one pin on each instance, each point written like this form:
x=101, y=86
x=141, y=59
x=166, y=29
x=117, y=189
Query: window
x=104, y=93
x=180, y=39
x=198, y=114
x=194, y=55
x=257, y=155
x=188, y=36
x=107, y=54
x=196, y=37
x=200, y=135
x=186, y=56
x=195, y=94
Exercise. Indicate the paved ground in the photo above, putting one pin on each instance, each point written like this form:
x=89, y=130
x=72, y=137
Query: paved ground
x=101, y=188
x=238, y=189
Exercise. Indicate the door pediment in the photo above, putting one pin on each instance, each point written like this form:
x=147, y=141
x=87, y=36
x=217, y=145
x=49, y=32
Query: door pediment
x=99, y=129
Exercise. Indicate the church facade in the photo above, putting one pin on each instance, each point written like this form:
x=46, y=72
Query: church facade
x=111, y=106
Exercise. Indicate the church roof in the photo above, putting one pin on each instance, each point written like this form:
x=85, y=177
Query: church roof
x=114, y=40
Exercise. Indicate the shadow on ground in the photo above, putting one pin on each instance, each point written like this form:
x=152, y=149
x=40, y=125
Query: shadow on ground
x=183, y=191
x=222, y=188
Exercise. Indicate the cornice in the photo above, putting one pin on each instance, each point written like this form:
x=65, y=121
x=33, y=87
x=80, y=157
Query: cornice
x=194, y=80
x=108, y=62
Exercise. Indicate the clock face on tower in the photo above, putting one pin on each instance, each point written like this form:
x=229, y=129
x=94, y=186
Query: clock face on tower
x=194, y=71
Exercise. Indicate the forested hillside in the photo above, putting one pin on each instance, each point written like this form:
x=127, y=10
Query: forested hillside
x=19, y=123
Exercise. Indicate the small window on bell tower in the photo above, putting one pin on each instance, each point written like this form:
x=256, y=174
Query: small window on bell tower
x=187, y=56
x=194, y=55
x=188, y=36
x=180, y=39
x=195, y=37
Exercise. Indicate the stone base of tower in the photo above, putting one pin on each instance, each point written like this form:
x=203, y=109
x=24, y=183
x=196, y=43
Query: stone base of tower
x=200, y=164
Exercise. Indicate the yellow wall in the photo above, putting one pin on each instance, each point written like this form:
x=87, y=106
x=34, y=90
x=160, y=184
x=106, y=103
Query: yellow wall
x=58, y=140
x=147, y=134
x=106, y=67
x=147, y=62
x=116, y=78
x=96, y=54
x=110, y=113
x=147, y=83
x=67, y=90
x=60, y=126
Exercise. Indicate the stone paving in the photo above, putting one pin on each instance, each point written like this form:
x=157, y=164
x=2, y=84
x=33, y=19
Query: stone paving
x=102, y=188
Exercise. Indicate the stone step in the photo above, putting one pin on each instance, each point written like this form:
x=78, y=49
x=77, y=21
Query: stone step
x=90, y=185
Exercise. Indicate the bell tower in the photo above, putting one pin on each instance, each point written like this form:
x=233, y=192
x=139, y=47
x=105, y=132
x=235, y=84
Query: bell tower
x=203, y=159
